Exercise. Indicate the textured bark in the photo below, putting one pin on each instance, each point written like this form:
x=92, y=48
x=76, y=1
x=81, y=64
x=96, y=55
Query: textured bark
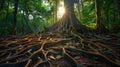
x=99, y=25
x=68, y=22
x=69, y=6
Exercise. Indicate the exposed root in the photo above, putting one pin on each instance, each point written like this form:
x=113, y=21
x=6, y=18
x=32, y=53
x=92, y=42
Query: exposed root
x=54, y=50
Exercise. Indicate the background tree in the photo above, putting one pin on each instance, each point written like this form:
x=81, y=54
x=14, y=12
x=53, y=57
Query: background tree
x=55, y=10
x=43, y=12
x=15, y=16
x=64, y=43
x=99, y=23
x=116, y=23
x=40, y=10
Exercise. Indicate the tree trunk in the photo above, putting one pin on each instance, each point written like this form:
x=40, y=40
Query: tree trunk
x=116, y=24
x=68, y=22
x=26, y=19
x=55, y=10
x=15, y=17
x=69, y=13
x=99, y=25
x=69, y=6
x=82, y=3
x=7, y=14
x=79, y=6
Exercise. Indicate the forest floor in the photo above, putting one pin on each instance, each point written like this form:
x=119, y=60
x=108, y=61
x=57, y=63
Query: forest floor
x=60, y=50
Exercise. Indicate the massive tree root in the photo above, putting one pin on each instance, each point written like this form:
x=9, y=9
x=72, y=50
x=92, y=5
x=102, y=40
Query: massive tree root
x=54, y=50
x=67, y=24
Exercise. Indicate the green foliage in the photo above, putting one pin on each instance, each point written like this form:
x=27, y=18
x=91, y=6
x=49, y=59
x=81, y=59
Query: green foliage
x=40, y=12
x=87, y=15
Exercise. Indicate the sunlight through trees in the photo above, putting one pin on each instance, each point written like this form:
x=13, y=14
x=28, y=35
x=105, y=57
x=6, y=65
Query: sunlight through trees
x=59, y=33
x=61, y=10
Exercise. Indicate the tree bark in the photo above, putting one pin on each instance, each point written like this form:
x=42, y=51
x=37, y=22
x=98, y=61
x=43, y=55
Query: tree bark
x=69, y=6
x=15, y=17
x=55, y=10
x=115, y=25
x=99, y=25
x=79, y=9
x=69, y=12
x=68, y=23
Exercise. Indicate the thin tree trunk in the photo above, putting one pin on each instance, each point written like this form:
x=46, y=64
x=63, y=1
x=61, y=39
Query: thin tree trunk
x=27, y=22
x=82, y=4
x=116, y=25
x=78, y=8
x=55, y=10
x=7, y=14
x=98, y=13
x=99, y=25
x=15, y=17
x=23, y=27
x=107, y=13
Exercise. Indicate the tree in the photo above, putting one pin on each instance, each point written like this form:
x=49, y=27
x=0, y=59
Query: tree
x=99, y=25
x=82, y=4
x=68, y=22
x=116, y=15
x=55, y=10
x=15, y=17
x=7, y=11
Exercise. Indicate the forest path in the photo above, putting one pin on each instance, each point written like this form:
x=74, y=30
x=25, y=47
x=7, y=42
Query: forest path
x=60, y=50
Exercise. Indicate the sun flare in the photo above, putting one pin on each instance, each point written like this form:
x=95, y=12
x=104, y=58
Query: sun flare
x=61, y=10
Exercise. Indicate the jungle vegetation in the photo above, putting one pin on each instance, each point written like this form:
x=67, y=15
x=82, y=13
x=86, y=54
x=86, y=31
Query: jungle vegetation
x=59, y=33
